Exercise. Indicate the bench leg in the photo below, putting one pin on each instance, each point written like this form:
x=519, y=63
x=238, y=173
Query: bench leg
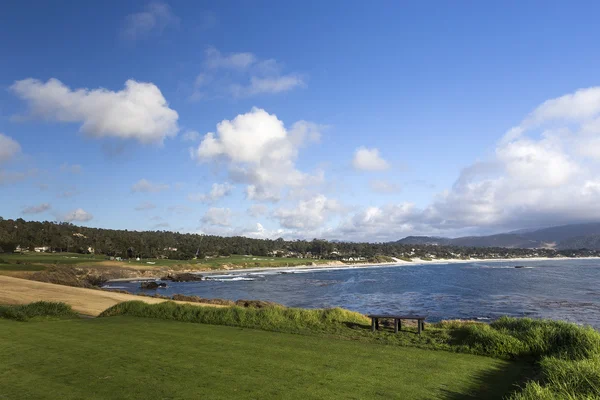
x=377, y=323
x=419, y=326
x=422, y=325
x=372, y=324
x=400, y=324
x=395, y=325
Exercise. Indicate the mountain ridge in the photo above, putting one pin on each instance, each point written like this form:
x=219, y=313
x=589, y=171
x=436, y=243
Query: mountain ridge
x=571, y=236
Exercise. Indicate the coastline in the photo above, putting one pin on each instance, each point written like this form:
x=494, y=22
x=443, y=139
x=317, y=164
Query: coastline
x=338, y=265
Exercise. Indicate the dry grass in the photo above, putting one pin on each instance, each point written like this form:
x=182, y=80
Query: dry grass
x=84, y=301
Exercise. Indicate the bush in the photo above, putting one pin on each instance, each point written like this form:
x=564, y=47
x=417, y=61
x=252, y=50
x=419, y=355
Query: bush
x=552, y=338
x=267, y=318
x=38, y=309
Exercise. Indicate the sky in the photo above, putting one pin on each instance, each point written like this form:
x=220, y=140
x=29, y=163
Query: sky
x=343, y=120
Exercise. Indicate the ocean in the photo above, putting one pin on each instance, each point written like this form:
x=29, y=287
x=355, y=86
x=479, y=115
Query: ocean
x=557, y=289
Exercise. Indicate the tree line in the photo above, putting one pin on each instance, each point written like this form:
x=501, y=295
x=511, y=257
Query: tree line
x=66, y=237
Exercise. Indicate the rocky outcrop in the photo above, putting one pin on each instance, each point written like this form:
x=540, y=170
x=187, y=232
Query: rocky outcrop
x=183, y=277
x=152, y=285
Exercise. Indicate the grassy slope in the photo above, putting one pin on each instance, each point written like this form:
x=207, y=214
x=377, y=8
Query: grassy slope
x=37, y=261
x=133, y=358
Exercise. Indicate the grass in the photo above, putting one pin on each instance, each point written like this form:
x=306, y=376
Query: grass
x=568, y=355
x=35, y=261
x=40, y=309
x=141, y=358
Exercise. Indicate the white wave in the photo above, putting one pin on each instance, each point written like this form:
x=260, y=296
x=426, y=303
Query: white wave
x=235, y=278
x=114, y=287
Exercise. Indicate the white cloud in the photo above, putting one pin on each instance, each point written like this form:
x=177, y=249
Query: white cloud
x=369, y=160
x=242, y=75
x=145, y=186
x=218, y=191
x=538, y=176
x=261, y=152
x=154, y=19
x=9, y=148
x=308, y=214
x=78, y=215
x=145, y=206
x=274, y=84
x=139, y=111
x=190, y=136
x=36, y=209
x=215, y=60
x=257, y=210
x=217, y=216
x=383, y=186
x=74, y=169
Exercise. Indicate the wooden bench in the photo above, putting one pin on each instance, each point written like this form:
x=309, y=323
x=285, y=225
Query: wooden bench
x=397, y=321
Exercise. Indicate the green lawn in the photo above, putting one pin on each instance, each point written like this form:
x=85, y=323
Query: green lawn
x=29, y=261
x=139, y=358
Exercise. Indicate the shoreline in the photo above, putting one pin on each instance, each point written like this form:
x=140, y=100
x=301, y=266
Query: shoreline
x=338, y=265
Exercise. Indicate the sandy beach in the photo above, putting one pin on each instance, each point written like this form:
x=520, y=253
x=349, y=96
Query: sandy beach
x=335, y=265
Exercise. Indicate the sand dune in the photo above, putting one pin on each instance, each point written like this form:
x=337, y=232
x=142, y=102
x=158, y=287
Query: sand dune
x=84, y=301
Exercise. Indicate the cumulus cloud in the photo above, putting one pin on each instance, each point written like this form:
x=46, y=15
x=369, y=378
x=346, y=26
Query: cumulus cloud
x=383, y=186
x=217, y=216
x=36, y=209
x=145, y=206
x=9, y=148
x=218, y=191
x=145, y=186
x=153, y=20
x=308, y=214
x=369, y=160
x=261, y=152
x=242, y=75
x=78, y=215
x=138, y=112
x=538, y=176
x=257, y=231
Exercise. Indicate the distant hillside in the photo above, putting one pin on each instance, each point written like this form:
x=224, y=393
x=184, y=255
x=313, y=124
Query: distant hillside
x=575, y=236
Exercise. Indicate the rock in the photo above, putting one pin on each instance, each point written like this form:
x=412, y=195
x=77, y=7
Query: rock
x=152, y=285
x=183, y=277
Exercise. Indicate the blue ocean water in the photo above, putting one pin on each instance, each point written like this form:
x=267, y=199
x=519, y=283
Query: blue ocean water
x=557, y=289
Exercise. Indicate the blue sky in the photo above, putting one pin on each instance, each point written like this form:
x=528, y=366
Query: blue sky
x=405, y=114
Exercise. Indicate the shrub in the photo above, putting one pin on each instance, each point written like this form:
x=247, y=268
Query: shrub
x=268, y=318
x=38, y=309
x=552, y=338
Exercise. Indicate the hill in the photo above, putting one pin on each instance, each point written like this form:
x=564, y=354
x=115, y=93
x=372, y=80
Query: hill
x=574, y=236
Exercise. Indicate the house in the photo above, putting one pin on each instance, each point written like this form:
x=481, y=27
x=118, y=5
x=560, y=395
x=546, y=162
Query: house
x=41, y=249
